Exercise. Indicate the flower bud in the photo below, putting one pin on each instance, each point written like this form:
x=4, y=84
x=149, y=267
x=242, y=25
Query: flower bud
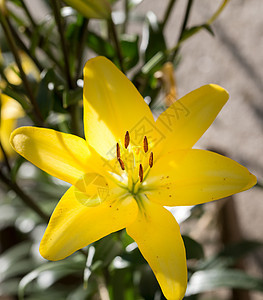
x=91, y=9
x=3, y=9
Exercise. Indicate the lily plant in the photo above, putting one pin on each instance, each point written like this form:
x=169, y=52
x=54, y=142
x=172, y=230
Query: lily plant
x=129, y=167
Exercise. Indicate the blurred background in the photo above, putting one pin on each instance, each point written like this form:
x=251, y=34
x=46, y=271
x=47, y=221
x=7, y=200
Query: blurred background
x=221, y=236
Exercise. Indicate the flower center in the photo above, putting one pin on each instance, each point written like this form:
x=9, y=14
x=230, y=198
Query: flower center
x=135, y=163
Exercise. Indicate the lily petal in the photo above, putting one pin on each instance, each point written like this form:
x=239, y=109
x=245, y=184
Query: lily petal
x=112, y=106
x=196, y=176
x=158, y=237
x=186, y=120
x=62, y=155
x=73, y=225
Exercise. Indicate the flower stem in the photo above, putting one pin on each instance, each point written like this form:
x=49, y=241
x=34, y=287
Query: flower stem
x=22, y=45
x=24, y=197
x=56, y=9
x=168, y=12
x=5, y=157
x=28, y=13
x=112, y=28
x=126, y=12
x=75, y=119
x=186, y=17
x=12, y=44
x=217, y=13
x=81, y=46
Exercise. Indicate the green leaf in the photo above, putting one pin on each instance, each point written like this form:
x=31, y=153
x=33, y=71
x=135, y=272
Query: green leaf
x=130, y=50
x=18, y=163
x=57, y=270
x=44, y=94
x=188, y=32
x=107, y=249
x=194, y=250
x=230, y=255
x=99, y=45
x=71, y=97
x=153, y=38
x=209, y=280
x=134, y=256
x=14, y=261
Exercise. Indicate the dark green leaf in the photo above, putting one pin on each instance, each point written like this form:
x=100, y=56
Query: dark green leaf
x=59, y=269
x=209, y=280
x=99, y=45
x=14, y=262
x=134, y=256
x=230, y=255
x=194, y=250
x=193, y=30
x=154, y=38
x=18, y=163
x=130, y=51
x=107, y=249
x=71, y=97
x=44, y=94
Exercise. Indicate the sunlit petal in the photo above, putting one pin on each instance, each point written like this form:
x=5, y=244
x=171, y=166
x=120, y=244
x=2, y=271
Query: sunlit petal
x=74, y=225
x=196, y=176
x=112, y=106
x=62, y=155
x=185, y=121
x=158, y=237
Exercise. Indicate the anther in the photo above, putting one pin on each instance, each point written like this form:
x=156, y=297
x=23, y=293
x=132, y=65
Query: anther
x=121, y=163
x=127, y=139
x=118, y=151
x=145, y=144
x=141, y=173
x=151, y=160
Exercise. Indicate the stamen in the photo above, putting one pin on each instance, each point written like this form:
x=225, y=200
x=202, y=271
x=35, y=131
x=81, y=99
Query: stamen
x=141, y=173
x=145, y=144
x=121, y=163
x=151, y=160
x=118, y=151
x=127, y=139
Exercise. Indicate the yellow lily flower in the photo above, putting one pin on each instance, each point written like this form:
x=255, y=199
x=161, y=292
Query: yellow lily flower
x=11, y=110
x=129, y=167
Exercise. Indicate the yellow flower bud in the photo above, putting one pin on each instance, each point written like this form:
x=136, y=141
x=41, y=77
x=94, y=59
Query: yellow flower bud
x=96, y=9
x=3, y=9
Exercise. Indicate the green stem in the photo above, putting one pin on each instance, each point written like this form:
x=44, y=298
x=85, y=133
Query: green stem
x=56, y=9
x=113, y=30
x=81, y=47
x=28, y=14
x=217, y=13
x=14, y=49
x=5, y=157
x=75, y=119
x=168, y=12
x=24, y=197
x=126, y=12
x=186, y=17
x=24, y=47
